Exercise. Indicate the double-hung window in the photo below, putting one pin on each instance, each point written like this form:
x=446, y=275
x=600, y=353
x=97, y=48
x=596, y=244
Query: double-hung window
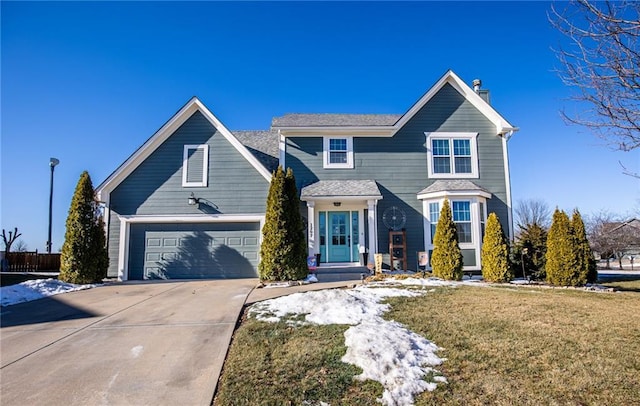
x=462, y=217
x=434, y=216
x=452, y=155
x=338, y=152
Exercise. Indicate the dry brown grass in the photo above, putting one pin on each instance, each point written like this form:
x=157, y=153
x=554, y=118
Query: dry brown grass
x=504, y=346
x=276, y=364
x=507, y=346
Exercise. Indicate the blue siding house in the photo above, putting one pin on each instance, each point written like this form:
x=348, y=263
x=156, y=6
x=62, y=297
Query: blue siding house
x=191, y=201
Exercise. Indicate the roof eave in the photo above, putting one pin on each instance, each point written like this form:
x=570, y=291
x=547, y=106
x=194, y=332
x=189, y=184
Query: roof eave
x=144, y=151
x=340, y=197
x=314, y=131
x=453, y=193
x=502, y=125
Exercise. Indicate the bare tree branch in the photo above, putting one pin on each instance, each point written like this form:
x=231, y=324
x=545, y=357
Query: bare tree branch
x=611, y=236
x=629, y=172
x=8, y=241
x=532, y=211
x=602, y=63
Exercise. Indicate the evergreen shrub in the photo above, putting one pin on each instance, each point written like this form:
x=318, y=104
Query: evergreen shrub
x=283, y=251
x=84, y=257
x=446, y=259
x=562, y=257
x=495, y=253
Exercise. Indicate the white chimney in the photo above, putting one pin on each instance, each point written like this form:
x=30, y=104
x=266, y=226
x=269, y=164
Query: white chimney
x=476, y=85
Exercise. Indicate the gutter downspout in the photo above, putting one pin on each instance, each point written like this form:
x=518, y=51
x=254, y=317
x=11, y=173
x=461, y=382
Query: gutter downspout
x=507, y=177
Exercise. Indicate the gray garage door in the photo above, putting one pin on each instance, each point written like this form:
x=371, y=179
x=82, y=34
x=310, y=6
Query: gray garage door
x=194, y=251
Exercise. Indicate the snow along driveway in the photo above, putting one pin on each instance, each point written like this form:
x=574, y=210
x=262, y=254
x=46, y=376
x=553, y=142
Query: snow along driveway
x=386, y=351
x=36, y=289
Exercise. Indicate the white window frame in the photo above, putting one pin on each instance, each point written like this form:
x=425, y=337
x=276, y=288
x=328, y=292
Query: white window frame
x=205, y=165
x=476, y=217
x=450, y=136
x=470, y=222
x=326, y=164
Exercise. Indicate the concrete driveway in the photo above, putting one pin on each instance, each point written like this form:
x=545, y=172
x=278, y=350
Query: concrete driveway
x=135, y=344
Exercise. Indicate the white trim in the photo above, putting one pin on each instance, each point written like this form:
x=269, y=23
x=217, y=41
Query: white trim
x=340, y=198
x=164, y=133
x=450, y=136
x=502, y=125
x=507, y=179
x=205, y=165
x=126, y=221
x=372, y=207
x=474, y=206
x=282, y=149
x=339, y=132
x=326, y=153
x=454, y=194
x=311, y=229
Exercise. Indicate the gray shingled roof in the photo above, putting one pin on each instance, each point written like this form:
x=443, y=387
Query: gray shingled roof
x=341, y=188
x=263, y=145
x=452, y=185
x=330, y=120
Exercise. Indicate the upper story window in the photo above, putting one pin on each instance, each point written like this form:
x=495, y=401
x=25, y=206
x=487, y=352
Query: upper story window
x=452, y=155
x=338, y=152
x=195, y=166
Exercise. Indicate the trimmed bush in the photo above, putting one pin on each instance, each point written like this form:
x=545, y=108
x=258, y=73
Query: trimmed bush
x=495, y=253
x=562, y=264
x=84, y=257
x=446, y=259
x=283, y=251
x=586, y=260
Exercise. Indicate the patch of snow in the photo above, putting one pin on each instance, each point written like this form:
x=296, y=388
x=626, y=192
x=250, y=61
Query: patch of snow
x=385, y=350
x=311, y=278
x=36, y=289
x=332, y=306
x=520, y=281
x=277, y=285
x=391, y=354
x=137, y=351
x=427, y=282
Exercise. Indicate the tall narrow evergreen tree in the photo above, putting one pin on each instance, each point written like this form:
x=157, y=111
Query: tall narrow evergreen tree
x=495, y=252
x=273, y=248
x=283, y=250
x=586, y=260
x=562, y=265
x=297, y=263
x=84, y=254
x=446, y=259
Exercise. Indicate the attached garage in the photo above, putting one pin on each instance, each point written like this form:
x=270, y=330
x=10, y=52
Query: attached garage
x=212, y=250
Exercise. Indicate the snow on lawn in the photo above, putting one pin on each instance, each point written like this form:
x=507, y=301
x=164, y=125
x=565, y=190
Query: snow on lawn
x=36, y=289
x=386, y=351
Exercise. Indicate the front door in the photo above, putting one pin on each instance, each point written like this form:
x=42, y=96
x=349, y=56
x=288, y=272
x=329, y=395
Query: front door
x=339, y=236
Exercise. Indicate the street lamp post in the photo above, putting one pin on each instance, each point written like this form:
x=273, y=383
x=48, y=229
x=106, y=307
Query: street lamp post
x=52, y=163
x=524, y=252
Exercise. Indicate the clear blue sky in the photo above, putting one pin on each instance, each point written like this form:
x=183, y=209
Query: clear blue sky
x=88, y=83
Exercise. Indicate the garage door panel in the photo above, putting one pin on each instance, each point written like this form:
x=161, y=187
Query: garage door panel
x=192, y=251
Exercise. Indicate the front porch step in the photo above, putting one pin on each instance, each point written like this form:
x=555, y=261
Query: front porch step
x=342, y=269
x=333, y=273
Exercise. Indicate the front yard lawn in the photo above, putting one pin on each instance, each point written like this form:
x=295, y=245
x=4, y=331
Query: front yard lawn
x=502, y=345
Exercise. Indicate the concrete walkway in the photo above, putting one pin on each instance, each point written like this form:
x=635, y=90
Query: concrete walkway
x=123, y=344
x=126, y=344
